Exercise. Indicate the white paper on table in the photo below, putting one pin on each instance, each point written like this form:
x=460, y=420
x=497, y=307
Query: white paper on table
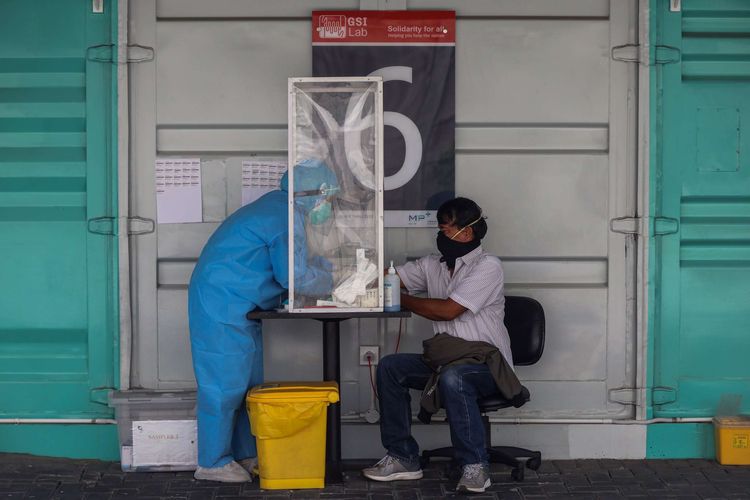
x=165, y=442
x=178, y=190
x=259, y=176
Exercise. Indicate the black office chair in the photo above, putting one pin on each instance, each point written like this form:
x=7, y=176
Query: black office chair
x=524, y=319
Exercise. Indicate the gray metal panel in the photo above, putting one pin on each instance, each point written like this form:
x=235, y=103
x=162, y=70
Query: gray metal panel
x=520, y=8
x=529, y=71
x=643, y=208
x=231, y=72
x=143, y=198
x=174, y=361
x=576, y=340
x=185, y=9
x=221, y=140
x=470, y=138
x=123, y=201
x=491, y=138
x=541, y=205
x=227, y=9
x=549, y=154
x=623, y=104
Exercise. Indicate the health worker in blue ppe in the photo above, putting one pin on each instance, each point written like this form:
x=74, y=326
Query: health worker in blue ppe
x=244, y=266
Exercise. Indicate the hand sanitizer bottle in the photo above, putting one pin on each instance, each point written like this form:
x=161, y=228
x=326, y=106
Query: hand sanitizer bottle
x=391, y=291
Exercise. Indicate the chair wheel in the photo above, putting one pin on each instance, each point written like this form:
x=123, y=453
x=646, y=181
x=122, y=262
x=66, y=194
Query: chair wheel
x=517, y=474
x=534, y=462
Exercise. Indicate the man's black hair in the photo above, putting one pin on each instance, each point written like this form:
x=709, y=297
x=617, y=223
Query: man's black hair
x=461, y=212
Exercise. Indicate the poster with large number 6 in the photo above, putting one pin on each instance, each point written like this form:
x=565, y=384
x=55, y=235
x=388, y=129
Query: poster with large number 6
x=414, y=52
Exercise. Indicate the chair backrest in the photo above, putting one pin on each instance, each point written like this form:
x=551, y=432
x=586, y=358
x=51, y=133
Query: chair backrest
x=524, y=319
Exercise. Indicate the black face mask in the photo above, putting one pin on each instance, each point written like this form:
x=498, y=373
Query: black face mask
x=451, y=250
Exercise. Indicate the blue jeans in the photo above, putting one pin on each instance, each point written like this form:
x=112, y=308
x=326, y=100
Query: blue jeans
x=460, y=386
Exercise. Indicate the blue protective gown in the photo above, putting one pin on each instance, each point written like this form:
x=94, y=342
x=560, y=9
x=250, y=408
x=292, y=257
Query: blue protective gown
x=243, y=266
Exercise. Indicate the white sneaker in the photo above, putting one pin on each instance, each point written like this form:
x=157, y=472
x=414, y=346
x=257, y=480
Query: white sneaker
x=250, y=465
x=229, y=473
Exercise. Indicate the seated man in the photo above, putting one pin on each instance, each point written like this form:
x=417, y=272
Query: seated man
x=464, y=287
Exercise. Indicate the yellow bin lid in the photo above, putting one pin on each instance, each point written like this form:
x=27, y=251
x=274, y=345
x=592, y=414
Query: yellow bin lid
x=733, y=421
x=293, y=392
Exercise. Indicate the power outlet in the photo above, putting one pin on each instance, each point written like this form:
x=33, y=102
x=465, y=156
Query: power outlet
x=372, y=350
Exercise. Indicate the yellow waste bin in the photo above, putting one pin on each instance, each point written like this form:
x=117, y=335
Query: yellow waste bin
x=288, y=420
x=732, y=440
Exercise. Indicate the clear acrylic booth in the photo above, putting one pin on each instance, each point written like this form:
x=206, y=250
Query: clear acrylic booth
x=337, y=122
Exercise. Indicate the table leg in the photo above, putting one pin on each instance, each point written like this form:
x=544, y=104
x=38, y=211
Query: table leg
x=332, y=371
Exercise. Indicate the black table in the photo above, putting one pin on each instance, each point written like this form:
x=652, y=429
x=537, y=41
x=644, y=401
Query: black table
x=331, y=370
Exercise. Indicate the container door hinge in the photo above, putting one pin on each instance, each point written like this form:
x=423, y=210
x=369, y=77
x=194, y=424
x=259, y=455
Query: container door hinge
x=675, y=5
x=633, y=52
x=630, y=52
x=664, y=225
x=106, y=225
x=140, y=225
x=100, y=395
x=102, y=225
x=662, y=395
x=105, y=53
x=623, y=395
x=625, y=225
x=660, y=226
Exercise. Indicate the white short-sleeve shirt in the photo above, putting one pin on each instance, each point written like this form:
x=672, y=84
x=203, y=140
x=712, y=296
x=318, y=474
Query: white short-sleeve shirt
x=477, y=284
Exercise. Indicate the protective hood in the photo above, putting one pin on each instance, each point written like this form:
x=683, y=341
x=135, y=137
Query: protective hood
x=311, y=175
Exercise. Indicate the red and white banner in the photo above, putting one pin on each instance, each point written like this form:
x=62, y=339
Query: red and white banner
x=399, y=27
x=414, y=52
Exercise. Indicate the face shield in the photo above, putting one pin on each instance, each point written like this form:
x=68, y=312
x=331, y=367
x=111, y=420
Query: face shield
x=322, y=209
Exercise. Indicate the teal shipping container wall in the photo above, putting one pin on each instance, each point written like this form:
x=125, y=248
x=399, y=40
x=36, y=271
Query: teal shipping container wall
x=58, y=287
x=699, y=293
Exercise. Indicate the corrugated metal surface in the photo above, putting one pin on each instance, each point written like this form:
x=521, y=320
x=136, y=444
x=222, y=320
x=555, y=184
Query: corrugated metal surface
x=714, y=40
x=545, y=143
x=703, y=180
x=56, y=281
